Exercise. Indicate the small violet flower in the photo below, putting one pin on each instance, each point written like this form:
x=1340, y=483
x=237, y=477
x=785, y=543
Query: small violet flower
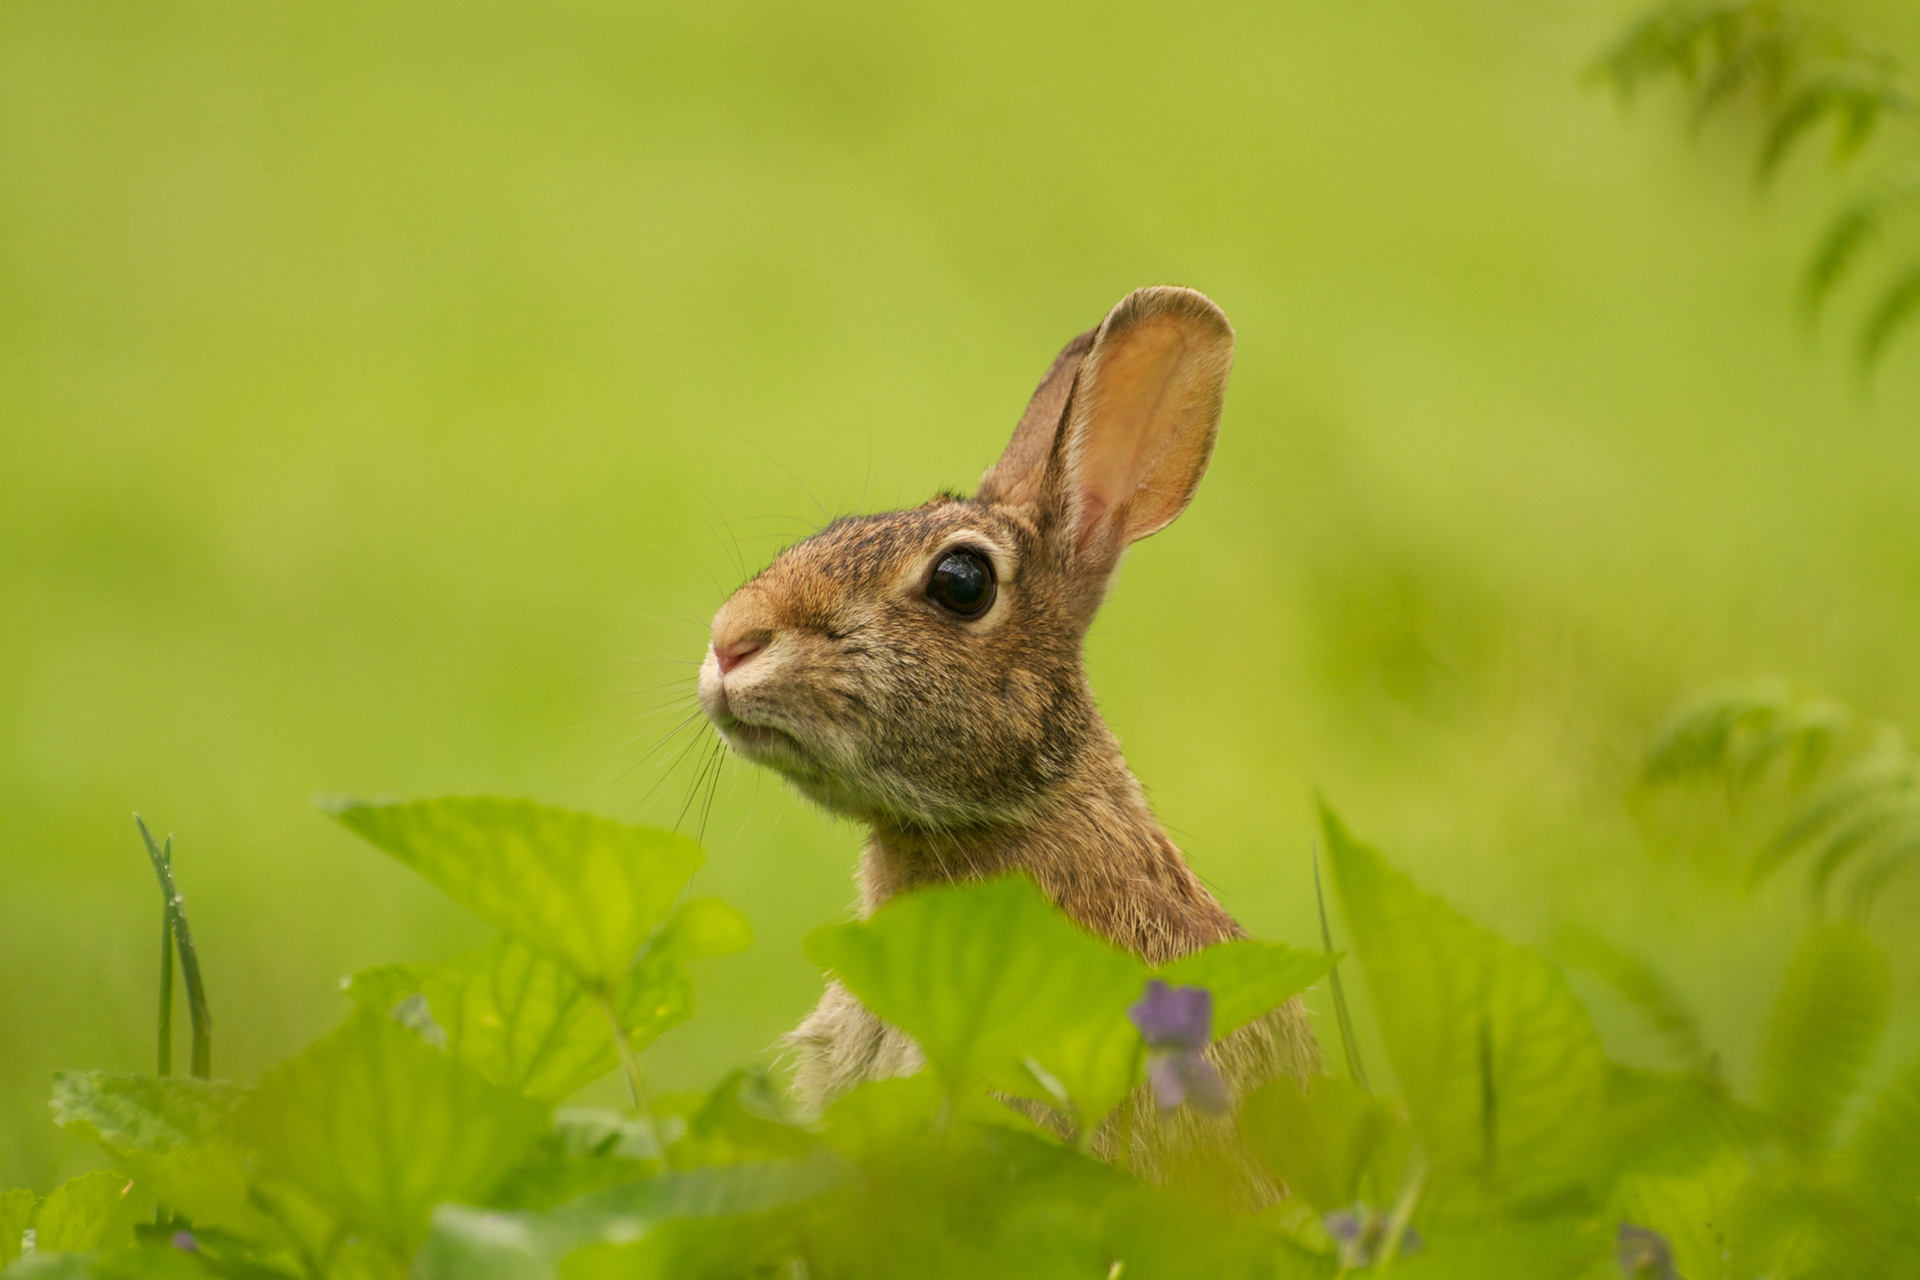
x=1644, y=1253
x=184, y=1242
x=1177, y=1024
x=1362, y=1231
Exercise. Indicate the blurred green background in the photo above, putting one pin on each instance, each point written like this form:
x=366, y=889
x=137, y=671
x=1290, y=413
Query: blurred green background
x=389, y=392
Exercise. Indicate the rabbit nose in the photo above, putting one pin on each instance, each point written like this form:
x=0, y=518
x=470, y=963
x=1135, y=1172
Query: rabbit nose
x=738, y=651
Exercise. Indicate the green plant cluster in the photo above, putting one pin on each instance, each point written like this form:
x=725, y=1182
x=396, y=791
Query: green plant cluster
x=425, y=1135
x=1805, y=73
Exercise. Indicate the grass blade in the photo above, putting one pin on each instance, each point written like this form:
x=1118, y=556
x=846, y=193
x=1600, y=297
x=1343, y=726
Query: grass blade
x=1340, y=1010
x=202, y=1067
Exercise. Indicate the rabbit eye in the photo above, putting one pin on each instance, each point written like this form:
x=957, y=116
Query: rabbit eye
x=962, y=583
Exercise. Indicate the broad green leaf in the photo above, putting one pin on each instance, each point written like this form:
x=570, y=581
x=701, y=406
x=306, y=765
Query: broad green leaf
x=1692, y=1211
x=702, y=927
x=478, y=1244
x=173, y=1135
x=1503, y=1074
x=522, y=1021
x=1247, y=978
x=1318, y=1142
x=586, y=891
x=141, y=1113
x=16, y=1215
x=84, y=1214
x=981, y=975
x=1822, y=1031
x=379, y=1127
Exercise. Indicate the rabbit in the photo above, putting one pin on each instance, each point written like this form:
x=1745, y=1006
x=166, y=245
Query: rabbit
x=920, y=671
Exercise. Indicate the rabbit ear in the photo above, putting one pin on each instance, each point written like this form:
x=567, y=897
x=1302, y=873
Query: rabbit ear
x=1017, y=478
x=1140, y=425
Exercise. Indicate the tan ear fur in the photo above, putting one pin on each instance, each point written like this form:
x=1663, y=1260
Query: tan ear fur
x=1143, y=417
x=1016, y=479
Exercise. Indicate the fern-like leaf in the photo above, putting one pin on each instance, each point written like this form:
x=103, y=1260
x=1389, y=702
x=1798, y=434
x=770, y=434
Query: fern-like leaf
x=1822, y=1032
x=1897, y=305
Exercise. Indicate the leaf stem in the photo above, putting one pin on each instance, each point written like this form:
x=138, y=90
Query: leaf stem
x=165, y=1056
x=630, y=1063
x=202, y=1067
x=1403, y=1208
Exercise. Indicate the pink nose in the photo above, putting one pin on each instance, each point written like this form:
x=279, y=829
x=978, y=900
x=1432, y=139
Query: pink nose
x=732, y=655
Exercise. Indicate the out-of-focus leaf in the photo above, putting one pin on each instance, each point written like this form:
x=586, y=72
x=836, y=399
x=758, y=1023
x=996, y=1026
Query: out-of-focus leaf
x=379, y=1127
x=174, y=1135
x=16, y=1215
x=702, y=927
x=1822, y=1031
x=141, y=1113
x=479, y=1244
x=1503, y=1074
x=1247, y=978
x=1883, y=1156
x=985, y=975
x=51, y=1266
x=584, y=1151
x=741, y=1120
x=1693, y=1211
x=1657, y=1123
x=85, y=1214
x=523, y=1021
x=1650, y=994
x=1320, y=1141
x=586, y=891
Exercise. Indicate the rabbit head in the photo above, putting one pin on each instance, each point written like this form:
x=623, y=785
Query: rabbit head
x=922, y=668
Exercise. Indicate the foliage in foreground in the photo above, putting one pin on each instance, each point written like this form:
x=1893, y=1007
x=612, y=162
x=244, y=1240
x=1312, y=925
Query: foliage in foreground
x=422, y=1136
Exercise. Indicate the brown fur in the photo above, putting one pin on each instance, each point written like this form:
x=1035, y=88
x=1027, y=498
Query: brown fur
x=972, y=747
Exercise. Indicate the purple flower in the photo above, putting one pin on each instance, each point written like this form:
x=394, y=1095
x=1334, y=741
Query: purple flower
x=1644, y=1253
x=1177, y=1024
x=184, y=1242
x=1362, y=1231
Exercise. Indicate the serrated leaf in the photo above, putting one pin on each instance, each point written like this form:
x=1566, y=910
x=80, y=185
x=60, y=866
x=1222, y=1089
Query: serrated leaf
x=380, y=1128
x=584, y=890
x=522, y=1020
x=1504, y=1076
x=477, y=1244
x=16, y=1215
x=1822, y=1031
x=142, y=1113
x=1320, y=1141
x=984, y=975
x=84, y=1214
x=1247, y=978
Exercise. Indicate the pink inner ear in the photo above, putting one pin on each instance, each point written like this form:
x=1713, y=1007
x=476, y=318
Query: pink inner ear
x=1134, y=410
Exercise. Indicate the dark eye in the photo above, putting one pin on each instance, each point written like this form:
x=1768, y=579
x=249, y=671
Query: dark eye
x=962, y=582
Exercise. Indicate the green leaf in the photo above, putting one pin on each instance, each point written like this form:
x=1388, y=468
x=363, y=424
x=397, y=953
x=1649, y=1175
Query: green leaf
x=84, y=1214
x=476, y=1244
x=583, y=890
x=51, y=1266
x=173, y=1135
x=141, y=1113
x=702, y=927
x=380, y=1128
x=1503, y=1074
x=16, y=1215
x=522, y=1021
x=982, y=976
x=1822, y=1031
x=1881, y=1163
x=1319, y=1142
x=1247, y=978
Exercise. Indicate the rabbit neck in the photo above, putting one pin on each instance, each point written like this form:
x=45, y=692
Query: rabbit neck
x=1095, y=849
